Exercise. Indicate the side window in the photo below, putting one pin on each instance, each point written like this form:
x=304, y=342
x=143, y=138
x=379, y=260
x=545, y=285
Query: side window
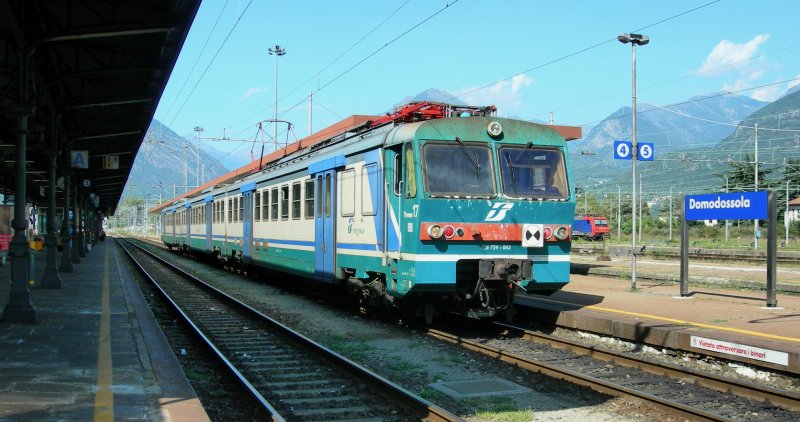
x=310, y=198
x=285, y=202
x=230, y=210
x=411, y=178
x=369, y=180
x=236, y=209
x=274, y=204
x=320, y=196
x=347, y=193
x=265, y=204
x=328, y=190
x=398, y=173
x=296, y=200
x=257, y=206
x=241, y=209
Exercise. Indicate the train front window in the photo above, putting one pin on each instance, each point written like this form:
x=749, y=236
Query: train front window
x=458, y=169
x=533, y=172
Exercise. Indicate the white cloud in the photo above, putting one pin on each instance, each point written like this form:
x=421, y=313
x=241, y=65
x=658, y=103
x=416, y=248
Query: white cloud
x=727, y=54
x=767, y=93
x=794, y=83
x=253, y=90
x=506, y=95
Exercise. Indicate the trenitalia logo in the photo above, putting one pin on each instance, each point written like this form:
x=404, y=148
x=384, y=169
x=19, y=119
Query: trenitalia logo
x=498, y=211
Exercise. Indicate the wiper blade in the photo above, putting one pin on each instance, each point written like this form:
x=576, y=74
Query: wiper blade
x=527, y=148
x=471, y=157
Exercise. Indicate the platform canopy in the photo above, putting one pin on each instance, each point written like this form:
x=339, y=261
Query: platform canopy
x=96, y=70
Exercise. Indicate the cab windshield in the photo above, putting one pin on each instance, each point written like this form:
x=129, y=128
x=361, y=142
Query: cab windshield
x=459, y=169
x=600, y=223
x=533, y=172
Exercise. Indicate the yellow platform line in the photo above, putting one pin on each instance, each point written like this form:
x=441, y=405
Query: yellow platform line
x=104, y=397
x=677, y=321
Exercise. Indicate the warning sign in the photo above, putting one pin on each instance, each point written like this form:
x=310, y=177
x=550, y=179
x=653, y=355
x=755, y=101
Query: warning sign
x=742, y=350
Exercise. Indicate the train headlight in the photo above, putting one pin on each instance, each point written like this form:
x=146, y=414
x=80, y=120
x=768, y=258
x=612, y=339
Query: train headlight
x=435, y=231
x=548, y=233
x=494, y=129
x=449, y=232
x=562, y=233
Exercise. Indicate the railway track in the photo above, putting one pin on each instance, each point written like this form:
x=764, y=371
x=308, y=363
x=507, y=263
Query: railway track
x=685, y=392
x=290, y=375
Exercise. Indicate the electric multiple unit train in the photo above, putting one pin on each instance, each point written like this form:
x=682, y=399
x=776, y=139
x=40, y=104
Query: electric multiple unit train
x=433, y=208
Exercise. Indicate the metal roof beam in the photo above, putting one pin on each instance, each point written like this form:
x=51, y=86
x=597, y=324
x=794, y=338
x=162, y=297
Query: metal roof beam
x=111, y=103
x=110, y=32
x=107, y=135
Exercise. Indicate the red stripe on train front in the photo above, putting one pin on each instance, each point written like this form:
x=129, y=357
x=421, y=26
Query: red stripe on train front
x=487, y=232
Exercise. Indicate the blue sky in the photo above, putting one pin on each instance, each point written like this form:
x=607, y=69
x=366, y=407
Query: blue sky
x=575, y=67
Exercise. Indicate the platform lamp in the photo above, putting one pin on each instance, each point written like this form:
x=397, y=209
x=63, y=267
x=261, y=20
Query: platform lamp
x=634, y=39
x=276, y=51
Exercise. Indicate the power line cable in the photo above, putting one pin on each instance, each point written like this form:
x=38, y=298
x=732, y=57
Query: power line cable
x=202, y=50
x=581, y=51
x=239, y=19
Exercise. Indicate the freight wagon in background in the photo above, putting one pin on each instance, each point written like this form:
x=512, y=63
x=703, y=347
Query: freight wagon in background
x=592, y=227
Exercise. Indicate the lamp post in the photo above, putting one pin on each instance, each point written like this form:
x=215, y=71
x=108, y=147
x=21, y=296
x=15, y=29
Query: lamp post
x=276, y=51
x=199, y=130
x=634, y=39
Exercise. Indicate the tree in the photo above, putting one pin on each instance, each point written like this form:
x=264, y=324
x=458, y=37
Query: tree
x=741, y=176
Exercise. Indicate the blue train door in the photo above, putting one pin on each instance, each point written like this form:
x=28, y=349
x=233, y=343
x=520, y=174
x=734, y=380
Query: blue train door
x=324, y=174
x=325, y=244
x=208, y=215
x=247, y=220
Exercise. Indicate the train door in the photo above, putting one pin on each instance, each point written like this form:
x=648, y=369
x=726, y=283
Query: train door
x=172, y=229
x=247, y=221
x=325, y=226
x=208, y=217
x=393, y=158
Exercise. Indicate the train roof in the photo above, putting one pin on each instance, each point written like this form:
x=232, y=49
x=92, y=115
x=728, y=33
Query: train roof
x=357, y=124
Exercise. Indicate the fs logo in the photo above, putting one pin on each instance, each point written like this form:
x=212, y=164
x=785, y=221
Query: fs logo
x=498, y=211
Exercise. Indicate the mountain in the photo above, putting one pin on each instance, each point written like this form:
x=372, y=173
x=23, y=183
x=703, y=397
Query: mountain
x=166, y=162
x=431, y=94
x=679, y=127
x=702, y=169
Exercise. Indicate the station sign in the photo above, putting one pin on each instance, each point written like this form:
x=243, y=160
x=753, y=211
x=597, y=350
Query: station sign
x=622, y=150
x=726, y=206
x=79, y=159
x=645, y=151
x=741, y=350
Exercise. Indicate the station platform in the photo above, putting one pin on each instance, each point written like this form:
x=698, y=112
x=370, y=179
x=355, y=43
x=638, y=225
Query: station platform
x=94, y=353
x=727, y=323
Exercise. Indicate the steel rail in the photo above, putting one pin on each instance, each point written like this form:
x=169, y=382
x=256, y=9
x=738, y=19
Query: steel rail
x=421, y=407
x=784, y=399
x=266, y=406
x=595, y=383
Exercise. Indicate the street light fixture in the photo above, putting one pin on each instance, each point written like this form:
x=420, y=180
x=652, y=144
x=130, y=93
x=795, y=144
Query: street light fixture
x=199, y=130
x=276, y=51
x=634, y=40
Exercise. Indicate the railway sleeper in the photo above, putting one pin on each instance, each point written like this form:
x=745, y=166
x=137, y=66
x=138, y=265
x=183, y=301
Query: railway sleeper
x=326, y=413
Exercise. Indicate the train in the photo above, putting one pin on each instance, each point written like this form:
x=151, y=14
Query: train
x=429, y=209
x=590, y=226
